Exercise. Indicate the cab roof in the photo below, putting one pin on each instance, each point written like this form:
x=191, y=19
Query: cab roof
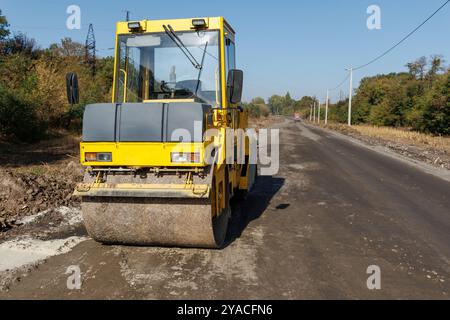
x=212, y=23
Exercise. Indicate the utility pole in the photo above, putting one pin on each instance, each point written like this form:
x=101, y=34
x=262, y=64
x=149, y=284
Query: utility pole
x=314, y=113
x=350, y=97
x=128, y=15
x=318, y=111
x=311, y=113
x=326, y=107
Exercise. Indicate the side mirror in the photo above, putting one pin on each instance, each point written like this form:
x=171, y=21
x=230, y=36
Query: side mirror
x=73, y=95
x=234, y=86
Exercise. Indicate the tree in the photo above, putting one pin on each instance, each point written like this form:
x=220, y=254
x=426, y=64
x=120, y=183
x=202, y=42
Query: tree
x=68, y=48
x=303, y=105
x=436, y=66
x=338, y=112
x=33, y=97
x=18, y=117
x=257, y=108
x=258, y=100
x=20, y=43
x=276, y=104
x=412, y=69
x=4, y=32
x=432, y=113
x=288, y=100
x=288, y=108
x=417, y=68
x=281, y=105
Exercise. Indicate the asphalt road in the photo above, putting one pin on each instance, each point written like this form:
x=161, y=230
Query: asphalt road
x=334, y=209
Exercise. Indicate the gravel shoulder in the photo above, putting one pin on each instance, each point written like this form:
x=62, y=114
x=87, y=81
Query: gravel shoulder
x=430, y=155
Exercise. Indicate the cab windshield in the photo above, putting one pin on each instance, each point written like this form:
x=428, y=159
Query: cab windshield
x=153, y=67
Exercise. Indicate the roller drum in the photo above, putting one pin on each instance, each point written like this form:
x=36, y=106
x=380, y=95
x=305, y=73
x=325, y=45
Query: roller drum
x=152, y=221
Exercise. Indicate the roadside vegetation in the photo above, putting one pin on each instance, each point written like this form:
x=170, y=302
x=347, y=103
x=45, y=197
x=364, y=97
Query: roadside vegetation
x=418, y=99
x=402, y=135
x=397, y=135
x=33, y=103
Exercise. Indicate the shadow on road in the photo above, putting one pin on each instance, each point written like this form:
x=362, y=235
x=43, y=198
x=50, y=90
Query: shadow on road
x=244, y=212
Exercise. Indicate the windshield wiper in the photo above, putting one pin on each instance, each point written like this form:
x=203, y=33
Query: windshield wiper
x=171, y=33
x=201, y=68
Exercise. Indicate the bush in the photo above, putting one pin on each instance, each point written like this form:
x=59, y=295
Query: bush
x=18, y=117
x=257, y=108
x=432, y=113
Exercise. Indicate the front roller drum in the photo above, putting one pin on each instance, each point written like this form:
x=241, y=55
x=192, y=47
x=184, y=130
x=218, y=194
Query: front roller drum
x=153, y=221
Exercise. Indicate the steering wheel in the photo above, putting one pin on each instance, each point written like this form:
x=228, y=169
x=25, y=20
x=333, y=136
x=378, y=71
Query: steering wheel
x=165, y=88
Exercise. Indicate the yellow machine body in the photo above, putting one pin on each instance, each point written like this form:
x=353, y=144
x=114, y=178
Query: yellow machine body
x=144, y=172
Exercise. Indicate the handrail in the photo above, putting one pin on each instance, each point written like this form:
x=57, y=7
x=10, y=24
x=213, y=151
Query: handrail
x=125, y=86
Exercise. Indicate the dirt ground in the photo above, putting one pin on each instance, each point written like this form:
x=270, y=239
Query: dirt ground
x=37, y=177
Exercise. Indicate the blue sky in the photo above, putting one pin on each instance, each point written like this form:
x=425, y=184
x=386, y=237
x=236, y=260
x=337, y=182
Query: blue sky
x=298, y=46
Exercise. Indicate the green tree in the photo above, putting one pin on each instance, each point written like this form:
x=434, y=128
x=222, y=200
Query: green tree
x=432, y=113
x=338, y=112
x=436, y=67
x=288, y=106
x=20, y=44
x=258, y=100
x=257, y=108
x=4, y=32
x=33, y=86
x=281, y=105
x=303, y=106
x=437, y=62
x=417, y=68
x=18, y=116
x=68, y=48
x=276, y=103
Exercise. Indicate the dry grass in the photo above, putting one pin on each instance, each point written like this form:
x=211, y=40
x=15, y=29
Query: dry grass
x=403, y=135
x=264, y=122
x=50, y=151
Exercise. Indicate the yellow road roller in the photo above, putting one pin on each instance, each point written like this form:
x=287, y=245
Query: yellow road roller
x=161, y=167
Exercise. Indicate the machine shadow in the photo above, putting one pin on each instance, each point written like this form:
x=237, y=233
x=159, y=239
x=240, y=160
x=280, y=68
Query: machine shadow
x=244, y=212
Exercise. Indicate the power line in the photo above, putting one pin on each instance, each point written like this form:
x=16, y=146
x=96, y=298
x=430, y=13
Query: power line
x=404, y=39
x=383, y=55
x=19, y=28
x=343, y=81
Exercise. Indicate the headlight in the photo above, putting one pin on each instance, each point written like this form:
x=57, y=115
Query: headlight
x=98, y=157
x=199, y=23
x=180, y=157
x=134, y=26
